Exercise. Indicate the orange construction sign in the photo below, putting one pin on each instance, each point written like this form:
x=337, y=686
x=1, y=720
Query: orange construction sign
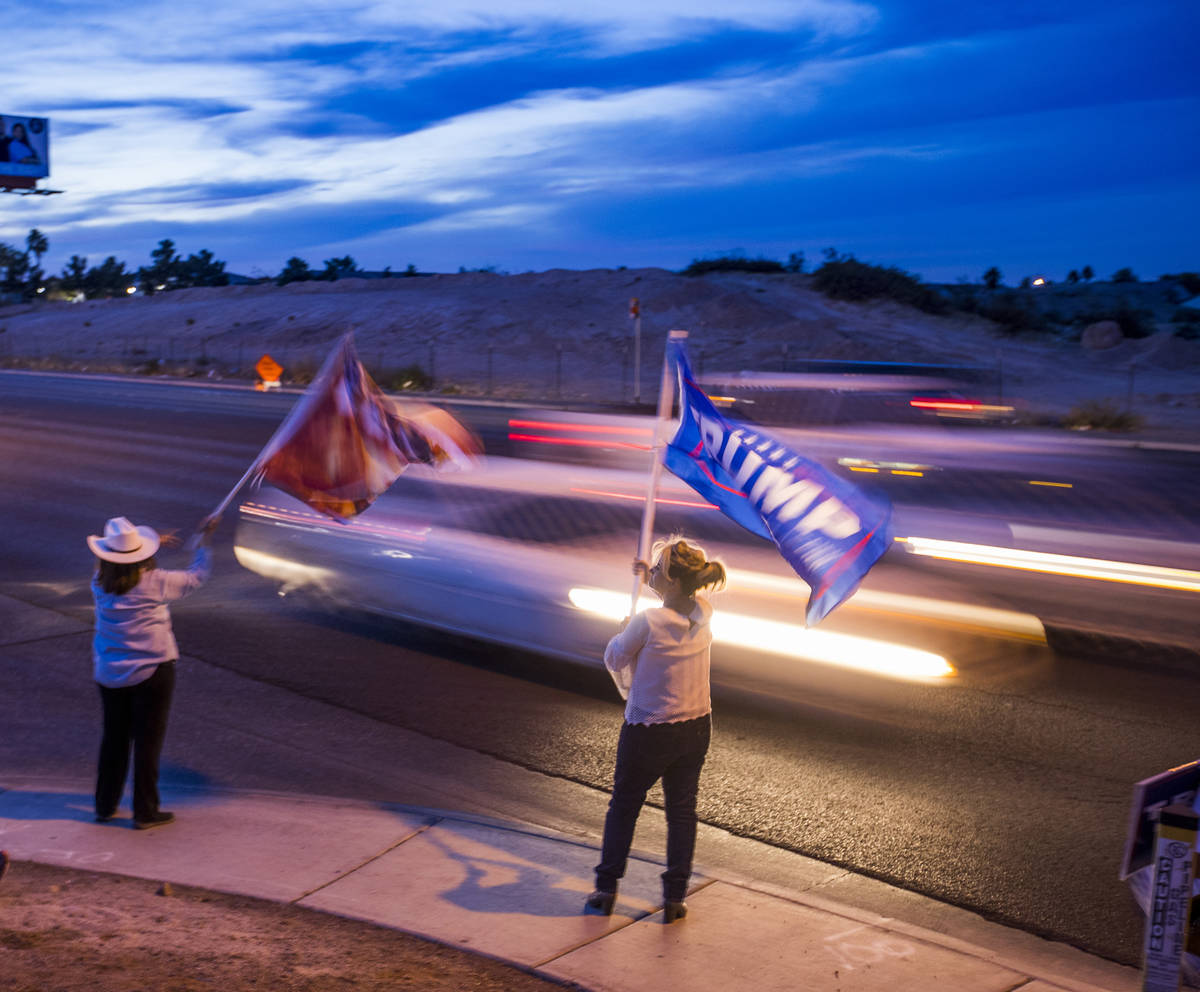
x=634, y=309
x=268, y=369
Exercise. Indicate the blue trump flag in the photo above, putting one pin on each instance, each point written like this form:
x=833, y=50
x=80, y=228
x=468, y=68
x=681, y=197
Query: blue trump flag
x=828, y=530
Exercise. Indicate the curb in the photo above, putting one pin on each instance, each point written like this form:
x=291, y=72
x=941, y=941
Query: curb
x=1121, y=649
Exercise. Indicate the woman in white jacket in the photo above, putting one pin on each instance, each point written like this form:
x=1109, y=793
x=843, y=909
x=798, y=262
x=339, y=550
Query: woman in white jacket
x=133, y=656
x=660, y=662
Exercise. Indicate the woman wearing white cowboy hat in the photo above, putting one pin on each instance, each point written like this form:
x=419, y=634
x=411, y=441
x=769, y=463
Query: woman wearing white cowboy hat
x=134, y=654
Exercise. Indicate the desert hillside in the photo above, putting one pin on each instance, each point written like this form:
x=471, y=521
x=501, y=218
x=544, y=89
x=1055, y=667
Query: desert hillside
x=567, y=334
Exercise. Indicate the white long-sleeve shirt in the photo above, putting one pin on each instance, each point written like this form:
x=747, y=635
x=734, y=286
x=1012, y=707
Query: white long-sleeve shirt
x=660, y=663
x=133, y=630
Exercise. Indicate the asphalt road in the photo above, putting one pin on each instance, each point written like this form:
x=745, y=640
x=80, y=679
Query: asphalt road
x=1008, y=796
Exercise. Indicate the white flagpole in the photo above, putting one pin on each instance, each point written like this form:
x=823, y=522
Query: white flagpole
x=666, y=394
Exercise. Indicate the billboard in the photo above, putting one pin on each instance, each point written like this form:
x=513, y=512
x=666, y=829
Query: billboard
x=24, y=146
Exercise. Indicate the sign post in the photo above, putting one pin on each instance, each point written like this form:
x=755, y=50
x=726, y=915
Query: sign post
x=635, y=311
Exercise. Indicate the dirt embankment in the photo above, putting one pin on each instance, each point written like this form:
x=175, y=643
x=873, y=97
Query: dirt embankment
x=64, y=930
x=567, y=334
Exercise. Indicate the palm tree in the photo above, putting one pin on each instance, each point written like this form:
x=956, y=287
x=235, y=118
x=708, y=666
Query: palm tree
x=37, y=243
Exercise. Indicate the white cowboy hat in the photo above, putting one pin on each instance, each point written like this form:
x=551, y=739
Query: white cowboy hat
x=123, y=542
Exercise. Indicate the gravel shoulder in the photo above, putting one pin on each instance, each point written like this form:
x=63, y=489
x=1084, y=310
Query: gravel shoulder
x=63, y=930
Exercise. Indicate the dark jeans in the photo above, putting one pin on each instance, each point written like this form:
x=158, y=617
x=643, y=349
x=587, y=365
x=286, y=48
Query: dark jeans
x=134, y=715
x=675, y=753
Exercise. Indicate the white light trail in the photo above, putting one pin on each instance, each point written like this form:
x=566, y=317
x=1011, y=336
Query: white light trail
x=790, y=640
x=1054, y=564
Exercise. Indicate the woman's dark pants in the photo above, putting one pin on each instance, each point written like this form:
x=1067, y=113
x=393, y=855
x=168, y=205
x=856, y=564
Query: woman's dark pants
x=134, y=715
x=675, y=753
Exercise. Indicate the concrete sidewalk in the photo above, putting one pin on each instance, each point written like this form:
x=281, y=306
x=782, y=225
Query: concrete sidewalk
x=515, y=892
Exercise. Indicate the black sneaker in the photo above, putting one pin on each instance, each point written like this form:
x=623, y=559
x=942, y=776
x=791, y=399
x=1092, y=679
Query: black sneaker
x=159, y=819
x=104, y=817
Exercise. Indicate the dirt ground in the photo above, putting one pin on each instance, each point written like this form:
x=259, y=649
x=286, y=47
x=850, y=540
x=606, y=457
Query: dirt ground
x=64, y=930
x=564, y=334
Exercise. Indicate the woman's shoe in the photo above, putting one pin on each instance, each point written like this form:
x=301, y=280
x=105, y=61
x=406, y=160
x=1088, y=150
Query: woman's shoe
x=601, y=902
x=673, y=911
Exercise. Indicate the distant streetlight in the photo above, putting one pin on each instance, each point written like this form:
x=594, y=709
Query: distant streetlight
x=131, y=290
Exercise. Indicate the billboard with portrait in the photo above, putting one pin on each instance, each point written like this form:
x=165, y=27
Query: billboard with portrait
x=24, y=146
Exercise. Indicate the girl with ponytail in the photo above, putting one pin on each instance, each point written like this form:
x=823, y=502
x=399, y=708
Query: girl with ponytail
x=660, y=663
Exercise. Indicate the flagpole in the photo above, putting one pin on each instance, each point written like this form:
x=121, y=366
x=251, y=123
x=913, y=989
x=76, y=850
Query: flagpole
x=299, y=409
x=666, y=395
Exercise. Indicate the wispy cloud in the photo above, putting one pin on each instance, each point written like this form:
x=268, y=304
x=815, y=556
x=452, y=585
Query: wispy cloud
x=404, y=121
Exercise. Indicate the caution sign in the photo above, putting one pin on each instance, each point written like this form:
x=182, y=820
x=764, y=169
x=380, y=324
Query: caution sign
x=269, y=372
x=1167, y=922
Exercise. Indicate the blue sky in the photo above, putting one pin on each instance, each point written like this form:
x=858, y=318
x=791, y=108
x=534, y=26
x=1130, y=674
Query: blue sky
x=941, y=136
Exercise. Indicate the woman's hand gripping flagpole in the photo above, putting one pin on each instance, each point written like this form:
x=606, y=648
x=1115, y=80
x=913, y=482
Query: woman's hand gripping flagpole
x=666, y=396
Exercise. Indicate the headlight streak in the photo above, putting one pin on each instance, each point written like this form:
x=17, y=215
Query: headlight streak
x=1054, y=564
x=964, y=616
x=282, y=569
x=789, y=640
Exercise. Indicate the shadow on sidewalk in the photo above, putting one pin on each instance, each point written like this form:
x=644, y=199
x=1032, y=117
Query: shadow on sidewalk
x=500, y=882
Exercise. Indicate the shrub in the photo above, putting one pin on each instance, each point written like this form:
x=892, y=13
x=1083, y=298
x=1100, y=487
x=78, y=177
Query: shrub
x=1101, y=415
x=1188, y=280
x=731, y=263
x=846, y=278
x=1187, y=323
x=1013, y=313
x=1124, y=275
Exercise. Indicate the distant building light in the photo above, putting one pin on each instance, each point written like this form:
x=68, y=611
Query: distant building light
x=1039, y=281
x=41, y=289
x=161, y=286
x=131, y=290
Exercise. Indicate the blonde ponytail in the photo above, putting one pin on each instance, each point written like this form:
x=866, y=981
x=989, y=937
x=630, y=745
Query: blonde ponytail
x=689, y=564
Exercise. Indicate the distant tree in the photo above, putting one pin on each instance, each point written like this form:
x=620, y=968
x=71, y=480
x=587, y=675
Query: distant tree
x=795, y=262
x=411, y=270
x=163, y=271
x=109, y=278
x=386, y=273
x=1124, y=275
x=16, y=268
x=1190, y=281
x=338, y=268
x=993, y=277
x=201, y=269
x=38, y=243
x=1073, y=276
x=74, y=273
x=1026, y=282
x=1087, y=273
x=846, y=278
x=296, y=270
x=731, y=263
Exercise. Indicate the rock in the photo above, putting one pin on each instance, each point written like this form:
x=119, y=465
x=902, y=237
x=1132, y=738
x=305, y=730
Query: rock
x=1102, y=334
x=165, y=890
